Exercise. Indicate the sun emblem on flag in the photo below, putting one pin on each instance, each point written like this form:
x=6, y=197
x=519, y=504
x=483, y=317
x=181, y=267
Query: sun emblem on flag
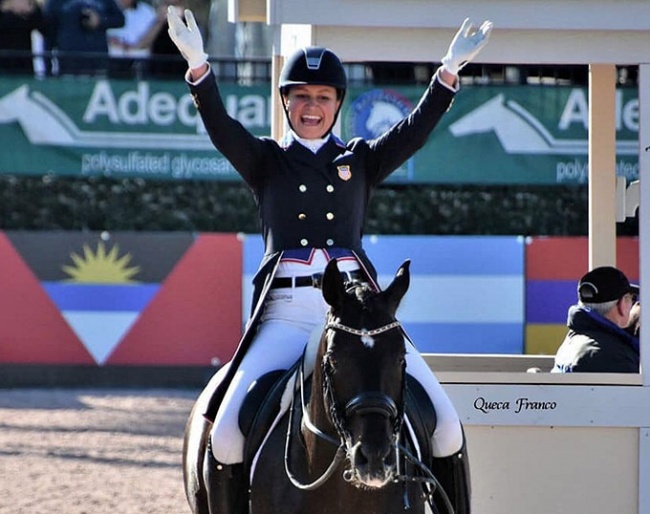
x=101, y=267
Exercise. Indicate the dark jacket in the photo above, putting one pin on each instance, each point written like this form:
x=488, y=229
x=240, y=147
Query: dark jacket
x=318, y=201
x=308, y=200
x=595, y=344
x=67, y=33
x=16, y=35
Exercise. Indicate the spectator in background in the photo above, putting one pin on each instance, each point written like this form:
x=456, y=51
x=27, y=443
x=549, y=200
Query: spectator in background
x=127, y=46
x=18, y=19
x=597, y=340
x=634, y=323
x=76, y=27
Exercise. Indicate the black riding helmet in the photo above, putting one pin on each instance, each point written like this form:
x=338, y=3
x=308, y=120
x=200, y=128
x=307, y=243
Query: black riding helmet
x=317, y=66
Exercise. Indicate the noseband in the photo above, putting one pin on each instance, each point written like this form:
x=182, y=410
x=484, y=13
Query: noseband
x=369, y=402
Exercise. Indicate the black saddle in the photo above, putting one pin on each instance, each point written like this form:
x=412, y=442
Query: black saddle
x=421, y=413
x=260, y=408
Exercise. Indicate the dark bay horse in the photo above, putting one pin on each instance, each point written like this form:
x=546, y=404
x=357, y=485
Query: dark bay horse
x=338, y=443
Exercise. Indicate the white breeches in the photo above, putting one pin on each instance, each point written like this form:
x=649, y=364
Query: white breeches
x=279, y=342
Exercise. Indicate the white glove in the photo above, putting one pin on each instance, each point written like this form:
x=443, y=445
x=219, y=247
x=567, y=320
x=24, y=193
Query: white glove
x=466, y=45
x=186, y=37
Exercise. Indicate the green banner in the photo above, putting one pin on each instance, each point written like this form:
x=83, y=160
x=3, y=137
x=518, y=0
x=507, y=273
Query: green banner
x=116, y=128
x=78, y=126
x=501, y=134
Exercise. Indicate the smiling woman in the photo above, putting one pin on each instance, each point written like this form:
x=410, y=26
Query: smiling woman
x=312, y=86
x=311, y=110
x=312, y=191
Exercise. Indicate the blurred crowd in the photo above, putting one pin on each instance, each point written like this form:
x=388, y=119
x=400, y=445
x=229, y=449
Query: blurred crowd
x=118, y=38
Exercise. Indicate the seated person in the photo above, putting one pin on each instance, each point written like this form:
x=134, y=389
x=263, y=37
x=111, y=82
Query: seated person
x=634, y=324
x=597, y=340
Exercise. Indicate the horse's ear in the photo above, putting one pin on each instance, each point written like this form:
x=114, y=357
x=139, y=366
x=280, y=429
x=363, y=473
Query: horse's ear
x=333, y=284
x=398, y=287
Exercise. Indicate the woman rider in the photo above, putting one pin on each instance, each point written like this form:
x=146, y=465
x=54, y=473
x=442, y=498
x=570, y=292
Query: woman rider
x=312, y=192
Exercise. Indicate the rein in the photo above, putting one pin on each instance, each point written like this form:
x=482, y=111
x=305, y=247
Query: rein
x=430, y=481
x=340, y=450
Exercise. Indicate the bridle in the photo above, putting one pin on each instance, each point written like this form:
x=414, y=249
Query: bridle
x=369, y=402
x=363, y=403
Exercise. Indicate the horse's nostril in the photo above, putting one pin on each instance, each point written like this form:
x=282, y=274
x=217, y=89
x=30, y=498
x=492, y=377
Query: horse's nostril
x=365, y=455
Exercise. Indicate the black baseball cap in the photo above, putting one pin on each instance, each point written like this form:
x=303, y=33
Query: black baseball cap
x=604, y=284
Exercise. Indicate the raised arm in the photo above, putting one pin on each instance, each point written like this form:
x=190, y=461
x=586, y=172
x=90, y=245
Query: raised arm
x=187, y=37
x=406, y=137
x=466, y=45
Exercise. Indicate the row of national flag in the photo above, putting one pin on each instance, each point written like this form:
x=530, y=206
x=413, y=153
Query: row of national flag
x=182, y=299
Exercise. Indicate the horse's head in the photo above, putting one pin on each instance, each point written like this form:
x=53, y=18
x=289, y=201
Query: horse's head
x=362, y=357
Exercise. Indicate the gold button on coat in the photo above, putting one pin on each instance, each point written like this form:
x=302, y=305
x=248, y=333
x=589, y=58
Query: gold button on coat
x=330, y=216
x=302, y=216
x=302, y=188
x=330, y=242
x=304, y=242
x=330, y=188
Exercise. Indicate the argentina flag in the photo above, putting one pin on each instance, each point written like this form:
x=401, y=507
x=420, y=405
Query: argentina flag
x=466, y=293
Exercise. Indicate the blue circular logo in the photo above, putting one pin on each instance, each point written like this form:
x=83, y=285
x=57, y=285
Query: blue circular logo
x=373, y=113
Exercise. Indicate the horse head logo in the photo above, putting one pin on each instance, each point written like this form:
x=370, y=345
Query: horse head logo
x=373, y=113
x=518, y=131
x=42, y=122
x=9, y=104
x=383, y=115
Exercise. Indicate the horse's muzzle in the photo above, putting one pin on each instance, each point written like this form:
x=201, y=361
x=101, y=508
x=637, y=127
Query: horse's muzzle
x=372, y=466
x=373, y=416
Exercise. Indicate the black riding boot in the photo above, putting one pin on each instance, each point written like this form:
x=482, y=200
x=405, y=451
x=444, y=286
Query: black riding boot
x=227, y=486
x=453, y=474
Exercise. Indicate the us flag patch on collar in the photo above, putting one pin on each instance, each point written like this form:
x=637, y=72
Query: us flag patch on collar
x=344, y=172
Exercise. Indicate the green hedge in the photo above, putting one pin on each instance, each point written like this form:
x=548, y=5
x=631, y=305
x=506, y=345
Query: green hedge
x=56, y=203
